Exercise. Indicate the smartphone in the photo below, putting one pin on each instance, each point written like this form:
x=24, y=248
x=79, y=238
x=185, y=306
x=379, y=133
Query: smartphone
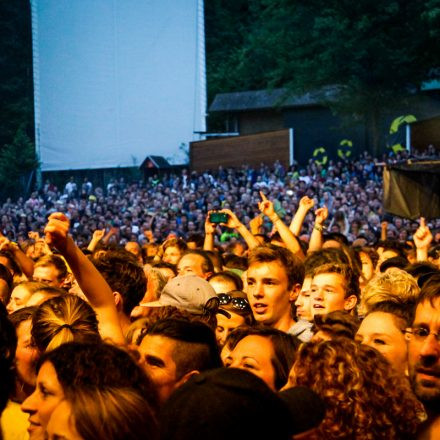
x=218, y=217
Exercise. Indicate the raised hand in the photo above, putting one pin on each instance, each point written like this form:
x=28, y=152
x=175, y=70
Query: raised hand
x=423, y=236
x=209, y=226
x=57, y=230
x=98, y=234
x=306, y=203
x=321, y=215
x=233, y=221
x=266, y=206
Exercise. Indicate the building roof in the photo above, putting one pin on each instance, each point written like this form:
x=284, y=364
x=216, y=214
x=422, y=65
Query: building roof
x=267, y=99
x=155, y=162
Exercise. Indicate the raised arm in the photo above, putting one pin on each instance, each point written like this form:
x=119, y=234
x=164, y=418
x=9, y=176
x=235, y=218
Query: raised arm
x=208, y=244
x=291, y=242
x=97, y=236
x=94, y=286
x=305, y=205
x=26, y=264
x=422, y=239
x=316, y=238
x=234, y=223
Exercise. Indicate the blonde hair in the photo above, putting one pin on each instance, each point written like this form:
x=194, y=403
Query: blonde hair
x=394, y=285
x=64, y=319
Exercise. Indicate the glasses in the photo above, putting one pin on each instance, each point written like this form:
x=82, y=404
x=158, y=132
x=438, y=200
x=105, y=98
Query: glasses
x=421, y=333
x=236, y=302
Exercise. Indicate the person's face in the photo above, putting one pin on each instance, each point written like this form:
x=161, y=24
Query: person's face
x=268, y=293
x=328, y=294
x=191, y=264
x=19, y=297
x=172, y=255
x=61, y=425
x=133, y=248
x=424, y=354
x=225, y=325
x=41, y=403
x=159, y=363
x=380, y=331
x=254, y=353
x=47, y=275
x=302, y=303
x=26, y=354
x=367, y=266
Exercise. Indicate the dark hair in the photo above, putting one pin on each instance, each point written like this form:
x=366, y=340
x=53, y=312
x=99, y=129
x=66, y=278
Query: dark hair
x=22, y=315
x=63, y=319
x=324, y=256
x=391, y=245
x=269, y=253
x=337, y=323
x=421, y=268
x=195, y=238
x=430, y=291
x=98, y=365
x=8, y=345
x=207, y=265
x=228, y=276
x=6, y=275
x=337, y=236
x=14, y=266
x=403, y=311
x=124, y=275
x=196, y=347
x=284, y=346
x=175, y=242
x=232, y=261
x=399, y=262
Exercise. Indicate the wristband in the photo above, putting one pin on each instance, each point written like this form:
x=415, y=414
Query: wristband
x=319, y=228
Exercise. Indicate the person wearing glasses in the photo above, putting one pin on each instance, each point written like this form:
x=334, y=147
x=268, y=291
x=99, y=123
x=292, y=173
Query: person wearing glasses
x=236, y=312
x=424, y=356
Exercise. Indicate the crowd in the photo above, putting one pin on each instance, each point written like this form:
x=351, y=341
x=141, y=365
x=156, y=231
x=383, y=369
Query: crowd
x=177, y=203
x=249, y=303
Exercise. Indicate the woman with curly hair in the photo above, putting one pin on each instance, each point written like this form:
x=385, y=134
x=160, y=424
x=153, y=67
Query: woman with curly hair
x=365, y=399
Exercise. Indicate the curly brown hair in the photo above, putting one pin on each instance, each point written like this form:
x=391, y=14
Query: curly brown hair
x=365, y=399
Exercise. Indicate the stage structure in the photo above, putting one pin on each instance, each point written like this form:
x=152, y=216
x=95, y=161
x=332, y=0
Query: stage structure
x=117, y=80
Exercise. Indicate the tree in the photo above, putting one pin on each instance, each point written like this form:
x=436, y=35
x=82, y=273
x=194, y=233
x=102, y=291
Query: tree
x=376, y=53
x=17, y=161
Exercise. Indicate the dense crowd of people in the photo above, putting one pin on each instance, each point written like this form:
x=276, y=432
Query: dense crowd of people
x=242, y=303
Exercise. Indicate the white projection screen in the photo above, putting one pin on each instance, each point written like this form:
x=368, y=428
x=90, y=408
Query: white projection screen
x=117, y=80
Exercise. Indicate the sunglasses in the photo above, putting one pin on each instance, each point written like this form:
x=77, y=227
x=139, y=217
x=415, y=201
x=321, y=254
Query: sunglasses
x=236, y=302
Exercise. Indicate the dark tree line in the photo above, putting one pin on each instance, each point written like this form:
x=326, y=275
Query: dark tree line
x=17, y=151
x=377, y=53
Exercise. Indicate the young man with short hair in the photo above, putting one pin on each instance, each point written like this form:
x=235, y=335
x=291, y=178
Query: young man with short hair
x=274, y=278
x=334, y=287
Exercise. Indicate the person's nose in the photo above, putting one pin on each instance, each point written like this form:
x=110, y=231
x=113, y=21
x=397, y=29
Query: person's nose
x=430, y=350
x=30, y=404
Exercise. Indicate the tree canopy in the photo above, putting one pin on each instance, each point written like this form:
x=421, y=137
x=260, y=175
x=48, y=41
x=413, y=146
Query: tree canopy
x=377, y=52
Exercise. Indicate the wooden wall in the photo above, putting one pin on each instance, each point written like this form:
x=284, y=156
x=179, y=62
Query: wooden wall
x=234, y=151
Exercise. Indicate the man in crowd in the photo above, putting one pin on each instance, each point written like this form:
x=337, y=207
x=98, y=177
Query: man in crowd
x=174, y=350
x=424, y=357
x=274, y=279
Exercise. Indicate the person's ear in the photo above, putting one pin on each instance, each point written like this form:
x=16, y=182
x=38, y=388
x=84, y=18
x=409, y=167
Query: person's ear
x=186, y=377
x=350, y=303
x=118, y=300
x=294, y=292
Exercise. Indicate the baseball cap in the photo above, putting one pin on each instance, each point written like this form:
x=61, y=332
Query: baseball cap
x=187, y=292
